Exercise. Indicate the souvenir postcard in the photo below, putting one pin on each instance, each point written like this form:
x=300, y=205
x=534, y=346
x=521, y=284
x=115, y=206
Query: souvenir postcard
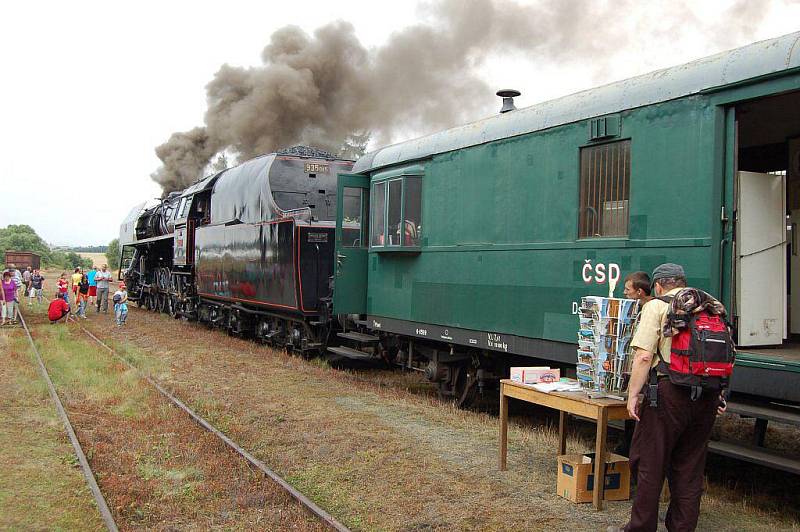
x=585, y=344
x=585, y=357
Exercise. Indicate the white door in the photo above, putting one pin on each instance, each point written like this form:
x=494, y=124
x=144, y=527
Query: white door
x=761, y=254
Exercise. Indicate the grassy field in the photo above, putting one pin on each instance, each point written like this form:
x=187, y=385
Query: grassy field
x=41, y=485
x=388, y=458
x=156, y=468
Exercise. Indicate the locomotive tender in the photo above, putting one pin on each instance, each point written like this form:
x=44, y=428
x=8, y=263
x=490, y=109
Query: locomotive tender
x=463, y=252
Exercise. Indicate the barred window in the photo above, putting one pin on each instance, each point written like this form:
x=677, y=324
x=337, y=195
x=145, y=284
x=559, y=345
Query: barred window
x=605, y=190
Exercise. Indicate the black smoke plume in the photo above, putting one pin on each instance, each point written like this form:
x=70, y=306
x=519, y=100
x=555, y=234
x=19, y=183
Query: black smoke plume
x=330, y=91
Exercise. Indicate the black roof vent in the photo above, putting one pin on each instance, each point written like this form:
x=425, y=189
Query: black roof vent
x=508, y=99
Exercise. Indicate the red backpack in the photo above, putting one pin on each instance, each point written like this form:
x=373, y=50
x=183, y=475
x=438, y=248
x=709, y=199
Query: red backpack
x=702, y=353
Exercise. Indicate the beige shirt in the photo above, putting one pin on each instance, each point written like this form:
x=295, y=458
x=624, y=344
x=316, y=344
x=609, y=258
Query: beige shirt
x=649, y=335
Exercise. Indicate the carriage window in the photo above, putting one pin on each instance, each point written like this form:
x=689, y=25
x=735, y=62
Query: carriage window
x=352, y=216
x=397, y=213
x=394, y=211
x=378, y=209
x=604, y=190
x=412, y=211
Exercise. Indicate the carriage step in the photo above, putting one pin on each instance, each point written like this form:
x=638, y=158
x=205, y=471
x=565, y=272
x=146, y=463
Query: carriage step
x=756, y=455
x=316, y=323
x=362, y=323
x=770, y=412
x=348, y=352
x=358, y=337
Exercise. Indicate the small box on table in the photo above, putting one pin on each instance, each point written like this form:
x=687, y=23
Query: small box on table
x=576, y=477
x=535, y=375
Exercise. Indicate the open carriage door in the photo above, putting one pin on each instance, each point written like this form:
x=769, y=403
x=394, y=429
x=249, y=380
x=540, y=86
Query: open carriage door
x=352, y=242
x=761, y=259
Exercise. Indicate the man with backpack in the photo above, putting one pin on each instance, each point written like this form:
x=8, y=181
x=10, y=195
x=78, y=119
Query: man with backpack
x=683, y=394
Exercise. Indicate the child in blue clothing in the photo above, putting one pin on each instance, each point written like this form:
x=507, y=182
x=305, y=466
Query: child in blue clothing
x=120, y=300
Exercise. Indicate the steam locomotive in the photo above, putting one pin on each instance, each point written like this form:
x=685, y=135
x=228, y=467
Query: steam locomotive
x=249, y=249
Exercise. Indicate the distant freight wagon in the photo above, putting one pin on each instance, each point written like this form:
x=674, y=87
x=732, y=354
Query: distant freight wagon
x=23, y=259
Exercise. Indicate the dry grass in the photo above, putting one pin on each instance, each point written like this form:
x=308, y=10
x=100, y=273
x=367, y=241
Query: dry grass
x=41, y=486
x=382, y=457
x=157, y=469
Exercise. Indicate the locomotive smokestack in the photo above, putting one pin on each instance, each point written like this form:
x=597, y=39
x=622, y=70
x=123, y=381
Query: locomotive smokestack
x=508, y=99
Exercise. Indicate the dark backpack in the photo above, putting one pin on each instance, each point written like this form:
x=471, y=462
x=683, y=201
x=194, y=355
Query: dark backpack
x=702, y=354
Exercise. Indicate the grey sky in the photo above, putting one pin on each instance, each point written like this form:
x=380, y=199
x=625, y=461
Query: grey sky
x=89, y=89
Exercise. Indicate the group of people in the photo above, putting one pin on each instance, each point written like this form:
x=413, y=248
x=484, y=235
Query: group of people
x=88, y=288
x=17, y=285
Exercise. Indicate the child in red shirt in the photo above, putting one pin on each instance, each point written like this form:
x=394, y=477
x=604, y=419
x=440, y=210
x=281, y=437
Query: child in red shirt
x=63, y=286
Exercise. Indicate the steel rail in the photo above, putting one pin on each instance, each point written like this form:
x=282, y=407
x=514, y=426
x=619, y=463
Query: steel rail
x=105, y=513
x=255, y=462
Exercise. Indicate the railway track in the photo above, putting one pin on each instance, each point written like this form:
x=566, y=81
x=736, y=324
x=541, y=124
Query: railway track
x=102, y=506
x=307, y=503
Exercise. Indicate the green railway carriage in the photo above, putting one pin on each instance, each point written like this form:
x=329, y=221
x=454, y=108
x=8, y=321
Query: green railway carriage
x=477, y=242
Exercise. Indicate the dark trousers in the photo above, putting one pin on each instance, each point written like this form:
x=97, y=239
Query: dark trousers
x=671, y=439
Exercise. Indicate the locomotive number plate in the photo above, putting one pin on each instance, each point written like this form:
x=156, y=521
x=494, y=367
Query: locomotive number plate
x=317, y=168
x=317, y=237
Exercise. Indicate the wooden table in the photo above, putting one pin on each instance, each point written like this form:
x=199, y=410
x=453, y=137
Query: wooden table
x=576, y=403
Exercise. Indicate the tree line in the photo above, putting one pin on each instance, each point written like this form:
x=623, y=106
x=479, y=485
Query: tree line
x=24, y=238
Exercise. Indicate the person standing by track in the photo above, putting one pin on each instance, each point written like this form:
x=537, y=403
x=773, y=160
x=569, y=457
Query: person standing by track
x=121, y=305
x=83, y=296
x=92, y=284
x=8, y=292
x=37, y=284
x=103, y=280
x=26, y=280
x=75, y=280
x=63, y=287
x=16, y=276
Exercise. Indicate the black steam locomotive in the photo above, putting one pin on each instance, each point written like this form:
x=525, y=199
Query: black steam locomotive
x=250, y=249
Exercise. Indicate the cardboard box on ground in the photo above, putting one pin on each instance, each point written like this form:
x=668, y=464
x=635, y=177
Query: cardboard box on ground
x=576, y=477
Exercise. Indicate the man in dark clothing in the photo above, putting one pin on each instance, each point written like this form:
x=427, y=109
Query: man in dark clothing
x=670, y=439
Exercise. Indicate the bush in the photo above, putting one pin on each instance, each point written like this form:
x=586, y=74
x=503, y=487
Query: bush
x=112, y=254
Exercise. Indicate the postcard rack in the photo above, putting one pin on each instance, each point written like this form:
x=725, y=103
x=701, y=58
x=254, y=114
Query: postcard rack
x=604, y=337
